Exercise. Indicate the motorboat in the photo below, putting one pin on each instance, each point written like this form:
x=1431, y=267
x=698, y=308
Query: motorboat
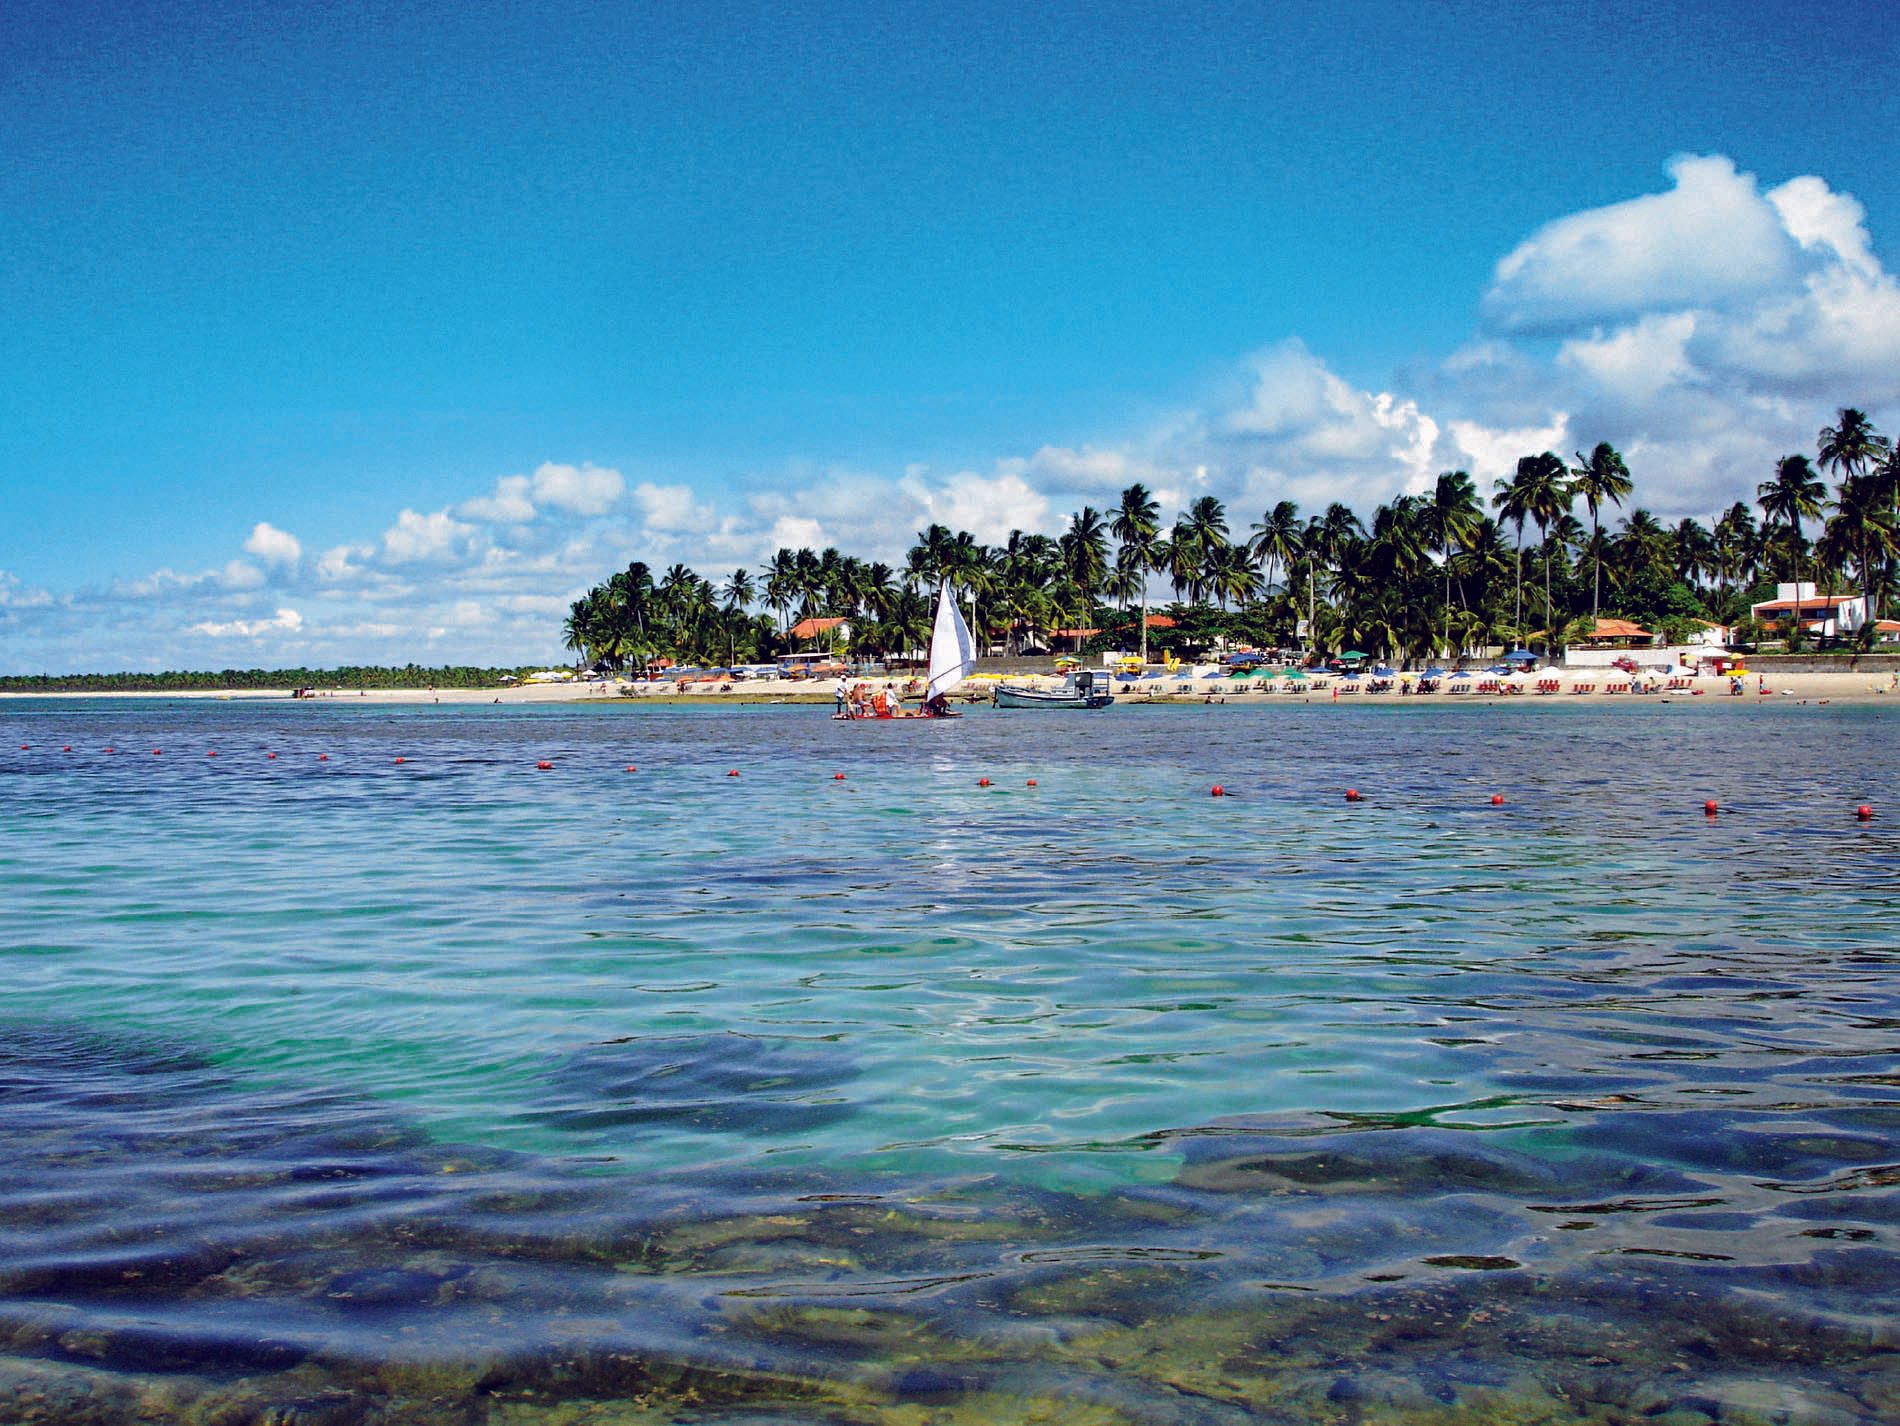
x=1083, y=688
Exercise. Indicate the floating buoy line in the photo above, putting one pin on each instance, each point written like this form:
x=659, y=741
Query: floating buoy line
x=1711, y=808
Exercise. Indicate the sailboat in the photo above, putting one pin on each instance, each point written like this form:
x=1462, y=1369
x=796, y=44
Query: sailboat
x=952, y=659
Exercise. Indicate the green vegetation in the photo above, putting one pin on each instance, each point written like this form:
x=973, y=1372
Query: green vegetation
x=350, y=676
x=1429, y=574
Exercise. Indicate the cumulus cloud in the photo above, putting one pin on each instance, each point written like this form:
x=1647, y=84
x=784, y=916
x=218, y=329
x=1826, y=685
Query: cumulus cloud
x=670, y=507
x=424, y=537
x=510, y=503
x=15, y=595
x=579, y=490
x=1710, y=239
x=272, y=545
x=284, y=621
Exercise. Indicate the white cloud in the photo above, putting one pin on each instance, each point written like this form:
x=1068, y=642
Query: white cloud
x=272, y=545
x=14, y=595
x=579, y=490
x=284, y=621
x=1639, y=360
x=508, y=504
x=343, y=561
x=1711, y=239
x=424, y=537
x=239, y=574
x=989, y=507
x=670, y=507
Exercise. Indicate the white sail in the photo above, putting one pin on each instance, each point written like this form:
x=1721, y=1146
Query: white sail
x=952, y=650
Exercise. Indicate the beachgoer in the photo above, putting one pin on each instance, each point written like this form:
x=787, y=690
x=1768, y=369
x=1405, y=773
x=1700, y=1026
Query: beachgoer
x=843, y=694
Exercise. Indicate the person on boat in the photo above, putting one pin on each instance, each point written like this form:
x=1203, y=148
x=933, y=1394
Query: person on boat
x=936, y=706
x=881, y=704
x=843, y=694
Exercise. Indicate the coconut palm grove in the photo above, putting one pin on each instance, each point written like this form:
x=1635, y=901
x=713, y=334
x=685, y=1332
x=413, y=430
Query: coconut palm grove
x=1537, y=560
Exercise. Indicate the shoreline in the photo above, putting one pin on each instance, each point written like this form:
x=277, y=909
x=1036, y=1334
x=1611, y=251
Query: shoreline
x=1573, y=686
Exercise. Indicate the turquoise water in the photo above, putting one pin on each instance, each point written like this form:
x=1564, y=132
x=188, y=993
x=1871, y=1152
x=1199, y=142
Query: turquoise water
x=790, y=1088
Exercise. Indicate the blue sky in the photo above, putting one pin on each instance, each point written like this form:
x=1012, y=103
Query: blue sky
x=369, y=332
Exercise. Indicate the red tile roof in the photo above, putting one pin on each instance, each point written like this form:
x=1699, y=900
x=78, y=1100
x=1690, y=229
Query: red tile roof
x=1809, y=604
x=812, y=628
x=1617, y=629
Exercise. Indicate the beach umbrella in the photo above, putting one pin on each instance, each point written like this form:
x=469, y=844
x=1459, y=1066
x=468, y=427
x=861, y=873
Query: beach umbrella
x=1354, y=654
x=1461, y=674
x=1433, y=672
x=1294, y=673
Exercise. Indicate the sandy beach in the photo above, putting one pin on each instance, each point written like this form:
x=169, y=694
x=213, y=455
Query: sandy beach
x=1815, y=688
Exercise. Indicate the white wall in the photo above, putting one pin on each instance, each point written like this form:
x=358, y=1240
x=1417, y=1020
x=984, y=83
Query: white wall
x=1654, y=657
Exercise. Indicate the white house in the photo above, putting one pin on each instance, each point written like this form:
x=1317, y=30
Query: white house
x=1829, y=616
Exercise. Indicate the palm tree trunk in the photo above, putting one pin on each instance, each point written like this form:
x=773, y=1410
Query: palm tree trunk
x=1519, y=620
x=1596, y=560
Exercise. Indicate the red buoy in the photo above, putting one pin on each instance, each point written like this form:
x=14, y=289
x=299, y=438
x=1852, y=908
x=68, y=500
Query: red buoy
x=544, y=767
x=323, y=757
x=212, y=754
x=982, y=782
x=1032, y=782
x=1711, y=807
x=69, y=747
x=157, y=751
x=837, y=777
x=24, y=748
x=1864, y=812
x=270, y=757
x=1217, y=791
x=732, y=772
x=109, y=750
x=1352, y=794
x=398, y=759
x=1497, y=799
x=632, y=768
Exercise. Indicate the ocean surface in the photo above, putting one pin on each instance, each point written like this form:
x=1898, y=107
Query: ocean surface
x=365, y=1071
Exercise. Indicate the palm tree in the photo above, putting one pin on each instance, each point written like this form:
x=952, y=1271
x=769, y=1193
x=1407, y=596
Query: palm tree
x=1207, y=519
x=1507, y=498
x=1137, y=524
x=1084, y=549
x=1451, y=517
x=1735, y=541
x=1863, y=528
x=1276, y=538
x=737, y=592
x=1603, y=477
x=1541, y=491
x=1793, y=494
x=1693, y=551
x=1852, y=448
